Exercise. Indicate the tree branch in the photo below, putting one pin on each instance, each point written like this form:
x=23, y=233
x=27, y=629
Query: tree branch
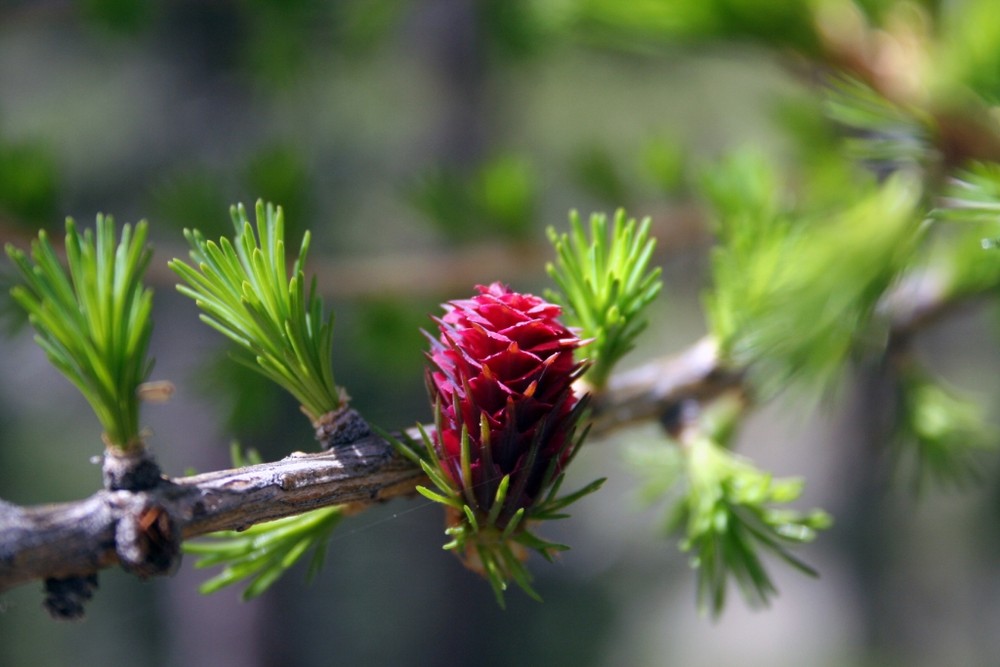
x=79, y=538
x=142, y=530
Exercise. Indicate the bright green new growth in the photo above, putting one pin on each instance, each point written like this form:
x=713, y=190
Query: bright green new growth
x=246, y=294
x=944, y=431
x=729, y=516
x=971, y=198
x=728, y=511
x=796, y=286
x=605, y=284
x=880, y=133
x=498, y=550
x=973, y=195
x=94, y=322
x=263, y=553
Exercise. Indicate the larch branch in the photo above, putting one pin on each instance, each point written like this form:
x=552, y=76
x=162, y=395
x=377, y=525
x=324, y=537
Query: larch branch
x=80, y=538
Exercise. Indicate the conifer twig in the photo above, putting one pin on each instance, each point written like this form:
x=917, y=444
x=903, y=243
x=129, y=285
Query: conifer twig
x=79, y=538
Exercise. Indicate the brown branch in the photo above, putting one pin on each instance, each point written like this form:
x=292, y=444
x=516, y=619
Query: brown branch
x=142, y=530
x=78, y=538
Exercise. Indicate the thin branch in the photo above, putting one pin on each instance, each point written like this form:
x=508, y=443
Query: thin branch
x=80, y=538
x=659, y=387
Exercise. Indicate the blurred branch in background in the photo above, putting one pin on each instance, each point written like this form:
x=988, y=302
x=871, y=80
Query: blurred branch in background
x=442, y=271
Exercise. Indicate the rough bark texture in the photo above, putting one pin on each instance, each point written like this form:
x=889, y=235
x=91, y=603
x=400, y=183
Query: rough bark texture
x=141, y=529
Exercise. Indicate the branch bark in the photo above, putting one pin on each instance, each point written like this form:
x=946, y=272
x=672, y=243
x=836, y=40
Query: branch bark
x=79, y=538
x=134, y=528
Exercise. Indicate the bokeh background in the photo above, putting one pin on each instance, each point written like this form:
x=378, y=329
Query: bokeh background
x=427, y=144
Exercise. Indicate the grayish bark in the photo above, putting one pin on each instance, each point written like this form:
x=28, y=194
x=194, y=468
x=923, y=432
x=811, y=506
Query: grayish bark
x=130, y=527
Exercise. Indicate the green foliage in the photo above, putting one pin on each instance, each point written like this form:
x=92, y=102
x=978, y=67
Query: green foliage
x=968, y=55
x=12, y=317
x=605, y=285
x=943, y=431
x=245, y=293
x=776, y=22
x=795, y=289
x=94, y=321
x=595, y=171
x=498, y=198
x=263, y=553
x=879, y=132
x=28, y=181
x=497, y=552
x=972, y=199
x=728, y=515
x=973, y=195
x=729, y=512
x=804, y=258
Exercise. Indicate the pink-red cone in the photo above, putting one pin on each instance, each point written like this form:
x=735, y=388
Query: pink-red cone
x=504, y=361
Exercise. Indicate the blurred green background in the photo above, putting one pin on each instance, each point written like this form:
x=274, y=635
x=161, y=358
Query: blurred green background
x=427, y=145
